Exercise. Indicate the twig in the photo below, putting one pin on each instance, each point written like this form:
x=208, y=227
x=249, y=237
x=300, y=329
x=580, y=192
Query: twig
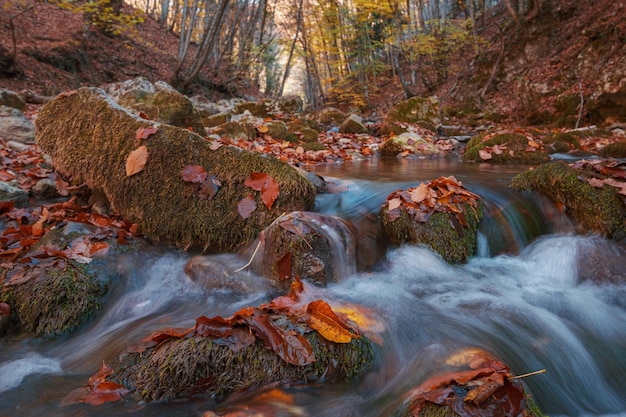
x=541, y=371
x=582, y=102
x=257, y=247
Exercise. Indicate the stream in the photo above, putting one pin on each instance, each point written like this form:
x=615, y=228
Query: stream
x=536, y=296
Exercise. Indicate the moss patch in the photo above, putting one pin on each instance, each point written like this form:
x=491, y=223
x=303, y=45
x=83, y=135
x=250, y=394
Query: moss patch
x=180, y=367
x=53, y=301
x=442, y=233
x=89, y=139
x=614, y=150
x=517, y=149
x=599, y=210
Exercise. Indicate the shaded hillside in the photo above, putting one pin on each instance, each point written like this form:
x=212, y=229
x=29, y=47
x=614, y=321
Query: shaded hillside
x=54, y=53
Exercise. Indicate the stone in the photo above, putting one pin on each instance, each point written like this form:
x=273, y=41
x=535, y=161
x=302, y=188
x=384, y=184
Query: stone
x=9, y=192
x=44, y=189
x=412, y=142
x=94, y=151
x=10, y=99
x=353, y=124
x=15, y=126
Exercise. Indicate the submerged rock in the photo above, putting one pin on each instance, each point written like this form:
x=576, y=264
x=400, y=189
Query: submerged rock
x=596, y=210
x=90, y=140
x=316, y=247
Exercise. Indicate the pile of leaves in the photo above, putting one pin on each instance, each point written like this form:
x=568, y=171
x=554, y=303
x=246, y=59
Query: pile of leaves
x=98, y=390
x=487, y=388
x=444, y=194
x=604, y=172
x=252, y=323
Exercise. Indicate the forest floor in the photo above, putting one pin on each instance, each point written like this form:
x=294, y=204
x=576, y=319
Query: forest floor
x=574, y=48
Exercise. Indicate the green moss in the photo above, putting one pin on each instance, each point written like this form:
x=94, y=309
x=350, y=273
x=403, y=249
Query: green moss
x=54, y=301
x=277, y=130
x=256, y=109
x=515, y=142
x=614, y=150
x=309, y=135
x=215, y=120
x=565, y=137
x=75, y=130
x=313, y=146
x=413, y=110
x=180, y=367
x=237, y=130
x=598, y=210
x=442, y=232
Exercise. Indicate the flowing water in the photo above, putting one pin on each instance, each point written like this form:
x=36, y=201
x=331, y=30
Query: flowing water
x=537, y=296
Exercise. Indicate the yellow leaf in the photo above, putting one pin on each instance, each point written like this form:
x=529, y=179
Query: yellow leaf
x=136, y=160
x=263, y=129
x=322, y=319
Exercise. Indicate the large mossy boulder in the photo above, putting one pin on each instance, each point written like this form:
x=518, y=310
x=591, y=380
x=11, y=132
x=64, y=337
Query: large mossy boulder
x=440, y=214
x=411, y=142
x=290, y=339
x=316, y=247
x=413, y=110
x=505, y=147
x=90, y=138
x=596, y=210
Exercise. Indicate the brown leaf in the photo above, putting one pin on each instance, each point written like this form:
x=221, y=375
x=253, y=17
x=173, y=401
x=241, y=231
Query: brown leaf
x=194, y=173
x=145, y=132
x=284, y=267
x=419, y=193
x=213, y=327
x=260, y=181
x=209, y=188
x=246, y=207
x=393, y=204
x=323, y=319
x=136, y=160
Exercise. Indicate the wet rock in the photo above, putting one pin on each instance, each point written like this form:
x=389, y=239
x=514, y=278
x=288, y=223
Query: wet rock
x=44, y=188
x=597, y=210
x=209, y=272
x=353, y=124
x=440, y=214
x=614, y=150
x=330, y=116
x=157, y=198
x=9, y=192
x=315, y=247
x=10, y=99
x=15, y=126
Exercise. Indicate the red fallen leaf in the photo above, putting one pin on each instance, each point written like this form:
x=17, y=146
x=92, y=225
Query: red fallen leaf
x=99, y=391
x=5, y=309
x=297, y=229
x=246, y=207
x=136, y=160
x=213, y=327
x=145, y=132
x=323, y=319
x=97, y=247
x=194, y=173
x=38, y=226
x=6, y=206
x=284, y=267
x=268, y=187
x=484, y=155
x=6, y=175
x=292, y=348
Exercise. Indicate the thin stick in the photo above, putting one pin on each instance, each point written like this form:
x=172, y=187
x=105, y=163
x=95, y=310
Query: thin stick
x=257, y=247
x=581, y=105
x=541, y=371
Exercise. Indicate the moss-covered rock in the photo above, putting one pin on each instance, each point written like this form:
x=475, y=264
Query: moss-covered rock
x=597, y=210
x=353, y=124
x=561, y=142
x=330, y=116
x=257, y=109
x=503, y=147
x=413, y=110
x=90, y=138
x=315, y=247
x=277, y=129
x=181, y=367
x=52, y=301
x=410, y=141
x=215, y=119
x=614, y=150
x=10, y=99
x=166, y=106
x=447, y=224
x=236, y=130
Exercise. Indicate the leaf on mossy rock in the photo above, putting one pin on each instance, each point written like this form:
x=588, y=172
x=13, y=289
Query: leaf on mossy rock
x=444, y=194
x=246, y=207
x=260, y=181
x=145, y=132
x=99, y=391
x=136, y=161
x=194, y=173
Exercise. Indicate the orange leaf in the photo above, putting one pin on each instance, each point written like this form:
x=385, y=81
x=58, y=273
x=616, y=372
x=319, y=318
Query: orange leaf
x=323, y=319
x=136, y=160
x=263, y=129
x=419, y=193
x=394, y=203
x=260, y=181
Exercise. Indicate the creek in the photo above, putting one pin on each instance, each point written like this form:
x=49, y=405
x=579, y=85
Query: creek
x=536, y=296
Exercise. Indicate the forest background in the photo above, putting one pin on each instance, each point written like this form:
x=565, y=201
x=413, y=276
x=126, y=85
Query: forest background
x=525, y=58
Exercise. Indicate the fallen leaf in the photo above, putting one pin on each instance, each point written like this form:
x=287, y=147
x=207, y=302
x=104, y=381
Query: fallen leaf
x=136, y=160
x=263, y=129
x=209, y=188
x=323, y=319
x=215, y=145
x=260, y=181
x=194, y=173
x=484, y=155
x=145, y=132
x=246, y=207
x=213, y=327
x=419, y=193
x=394, y=203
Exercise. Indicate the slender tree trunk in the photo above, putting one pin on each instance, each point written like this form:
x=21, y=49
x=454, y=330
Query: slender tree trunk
x=291, y=50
